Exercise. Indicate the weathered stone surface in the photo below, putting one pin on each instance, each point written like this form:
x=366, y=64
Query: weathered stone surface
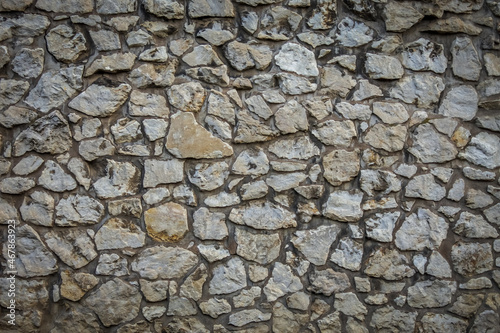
x=483, y=150
x=353, y=33
x=101, y=100
x=295, y=85
x=348, y=254
x=400, y=16
x=301, y=148
x=184, y=137
x=74, y=6
x=453, y=25
x=147, y=104
x=291, y=118
x=115, y=7
x=336, y=133
x=389, y=138
x=466, y=63
x=251, y=162
x=424, y=55
x=16, y=185
x=122, y=178
x=187, y=97
x=460, y=102
x=187, y=324
x=154, y=75
x=335, y=81
x=48, y=134
x=391, y=113
x=287, y=181
x=431, y=147
x=378, y=182
x=208, y=225
x=115, y=302
x=344, y=206
x=420, y=230
x=244, y=317
x=263, y=215
x=32, y=257
x=425, y=187
x=55, y=87
x=161, y=262
x=167, y=222
x=118, y=233
x=328, y=282
x=383, y=67
x=54, y=178
x=262, y=248
x=28, y=63
x=209, y=176
x=37, y=208
x=65, y=44
x=31, y=293
x=474, y=226
x=14, y=116
x=162, y=172
x=295, y=58
x=112, y=63
x=486, y=321
x=112, y=264
x=243, y=56
x=388, y=264
x=467, y=305
x=354, y=111
x=431, y=294
x=282, y=282
x=94, y=148
x=423, y=89
x=315, y=244
x=169, y=9
x=392, y=320
x=228, y=277
x=210, y=8
x=215, y=307
x=27, y=165
x=78, y=210
x=381, y=226
x=470, y=259
x=278, y=23
x=75, y=285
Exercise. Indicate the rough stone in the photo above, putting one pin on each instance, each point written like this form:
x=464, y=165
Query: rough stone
x=117, y=233
x=425, y=187
x=78, y=210
x=392, y=320
x=431, y=147
x=279, y=23
x=209, y=225
x=295, y=85
x=243, y=56
x=388, y=264
x=37, y=208
x=424, y=89
x=122, y=178
x=315, y=244
x=251, y=162
x=391, y=113
x=424, y=55
x=263, y=215
x=101, y=100
x=383, y=67
x=54, y=178
x=400, y=16
x=389, y=138
x=335, y=81
x=93, y=149
x=348, y=254
x=483, y=150
x=228, y=277
x=161, y=262
x=431, y=294
x=378, y=182
x=154, y=75
x=117, y=62
x=215, y=307
x=291, y=118
x=295, y=58
x=466, y=63
x=169, y=9
x=470, y=259
x=420, y=230
x=354, y=111
x=65, y=44
x=112, y=264
x=282, y=282
x=328, y=282
x=28, y=63
x=287, y=181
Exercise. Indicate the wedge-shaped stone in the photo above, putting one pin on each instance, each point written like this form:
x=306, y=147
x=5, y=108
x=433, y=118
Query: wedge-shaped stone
x=161, y=262
x=421, y=230
x=74, y=246
x=188, y=139
x=112, y=63
x=315, y=244
x=54, y=178
x=263, y=215
x=484, y=150
x=282, y=282
x=100, y=100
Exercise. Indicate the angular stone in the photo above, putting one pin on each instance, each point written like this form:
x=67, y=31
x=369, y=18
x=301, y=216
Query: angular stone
x=341, y=166
x=391, y=113
x=210, y=8
x=476, y=174
x=251, y=162
x=32, y=257
x=180, y=324
x=27, y=165
x=162, y=172
x=208, y=225
x=257, y=105
x=169, y=9
x=184, y=137
x=315, y=39
x=348, y=254
x=10, y=5
x=101, y=100
x=344, y=206
x=26, y=25
x=301, y=148
x=122, y=178
x=154, y=75
x=78, y=210
x=117, y=233
x=460, y=102
x=287, y=181
x=486, y=321
x=420, y=230
x=470, y=259
x=254, y=190
x=383, y=67
x=388, y=264
x=28, y=63
x=112, y=264
x=167, y=222
x=261, y=248
x=38, y=209
x=438, y=266
x=243, y=56
x=323, y=16
x=54, y=178
x=392, y=320
x=431, y=294
x=278, y=23
x=249, y=129
x=349, y=304
x=493, y=214
x=115, y=302
x=354, y=111
x=483, y=150
x=263, y=215
x=400, y=16
x=477, y=199
x=48, y=134
x=113, y=63
x=425, y=187
x=295, y=58
x=466, y=63
x=209, y=176
x=193, y=285
x=295, y=85
x=154, y=291
x=16, y=185
x=366, y=90
x=381, y=226
x=467, y=305
x=93, y=149
x=282, y=282
x=216, y=35
x=315, y=244
x=247, y=297
x=75, y=285
x=65, y=44
x=161, y=262
x=215, y=307
x=452, y=25
x=228, y=277
x=147, y=104
x=156, y=54
x=14, y=116
x=115, y=7
x=31, y=293
x=337, y=133
x=389, y=138
x=431, y=147
x=55, y=87
x=353, y=33
x=75, y=6
x=424, y=89
x=222, y=199
x=328, y=282
x=335, y=81
x=155, y=195
x=375, y=181
x=213, y=253
x=244, y=317
x=424, y=55
x=155, y=128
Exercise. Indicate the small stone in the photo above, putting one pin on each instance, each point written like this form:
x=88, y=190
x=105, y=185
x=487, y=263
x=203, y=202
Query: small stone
x=328, y=282
x=486, y=321
x=483, y=150
x=349, y=304
x=470, y=259
x=438, y=266
x=390, y=319
x=282, y=282
x=341, y=166
x=400, y=16
x=337, y=133
x=382, y=226
x=95, y=148
x=314, y=39
x=257, y=105
x=295, y=85
x=422, y=88
x=112, y=264
x=431, y=147
x=431, y=294
x=457, y=191
x=466, y=63
x=388, y=44
x=209, y=225
x=476, y=284
x=167, y=222
x=14, y=116
x=476, y=174
x=27, y=165
x=216, y=36
x=383, y=67
x=318, y=108
x=291, y=118
x=122, y=178
x=213, y=252
x=278, y=23
x=388, y=264
x=215, y=307
x=101, y=101
x=228, y=277
x=54, y=178
x=202, y=55
x=253, y=190
x=154, y=291
x=299, y=301
x=65, y=44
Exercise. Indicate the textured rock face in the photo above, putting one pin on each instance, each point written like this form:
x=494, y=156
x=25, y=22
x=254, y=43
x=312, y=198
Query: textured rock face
x=250, y=165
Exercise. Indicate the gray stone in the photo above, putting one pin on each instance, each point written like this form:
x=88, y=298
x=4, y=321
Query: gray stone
x=169, y=9
x=27, y=165
x=424, y=89
x=391, y=113
x=477, y=199
x=383, y=67
x=467, y=305
x=251, y=162
x=263, y=215
x=421, y=230
x=431, y=294
x=453, y=25
x=147, y=104
x=391, y=320
x=257, y=105
x=32, y=257
x=431, y=147
x=323, y=15
x=389, y=138
x=295, y=58
x=336, y=81
x=315, y=244
x=4, y=56
x=14, y=116
x=228, y=277
x=16, y=185
x=457, y=191
x=299, y=301
x=129, y=206
x=278, y=23
x=118, y=233
x=192, y=287
x=337, y=133
x=378, y=182
x=483, y=150
x=27, y=25
x=161, y=262
x=425, y=187
x=155, y=128
x=202, y=55
x=314, y=39
x=113, y=63
x=76, y=210
x=382, y=226
x=301, y=148
x=209, y=176
x=319, y=108
x=400, y=16
x=101, y=100
x=366, y=90
x=493, y=214
x=154, y=75
x=210, y=8
x=179, y=324
x=354, y=111
x=470, y=259
x=460, y=102
x=282, y=282
x=216, y=35
x=486, y=321
x=476, y=284
x=348, y=254
x=222, y=199
x=208, y=225
x=154, y=291
x=244, y=317
x=254, y=190
x=155, y=54
x=37, y=209
x=247, y=297
x=115, y=302
x=287, y=181
x=28, y=63
x=11, y=91
x=438, y=266
x=75, y=6
x=349, y=304
x=476, y=174
x=54, y=178
x=389, y=265
x=74, y=247
x=162, y=172
x=213, y=252
x=328, y=282
x=291, y=118
x=341, y=166
x=115, y=7
x=466, y=63
x=122, y=178
x=93, y=149
x=55, y=87
x=38, y=294
x=215, y=307
x=344, y=206
x=424, y=55
x=65, y=44
x=245, y=56
x=295, y=85
x=10, y=5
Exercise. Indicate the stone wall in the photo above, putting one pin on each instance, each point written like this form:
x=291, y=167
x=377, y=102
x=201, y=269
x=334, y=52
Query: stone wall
x=250, y=165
